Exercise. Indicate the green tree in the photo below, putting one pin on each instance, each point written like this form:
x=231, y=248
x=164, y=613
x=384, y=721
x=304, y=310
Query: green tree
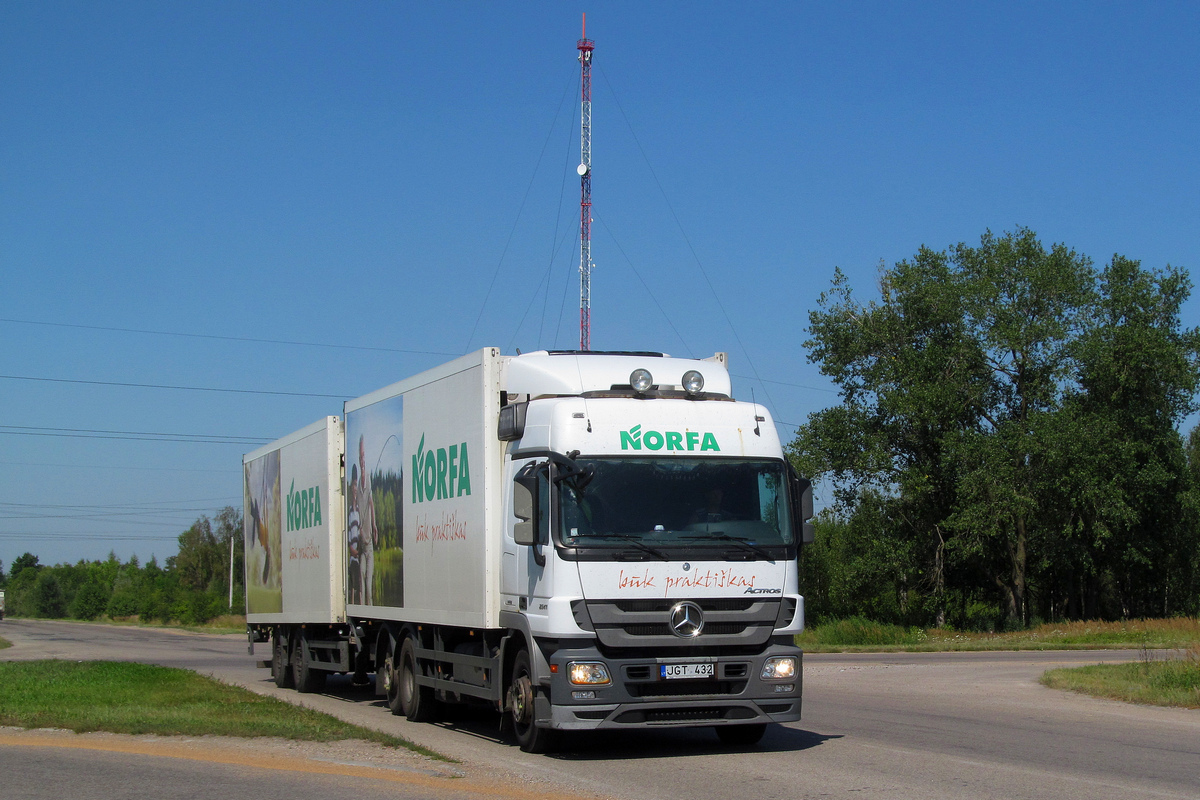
x=23, y=562
x=199, y=560
x=978, y=396
x=90, y=601
x=48, y=600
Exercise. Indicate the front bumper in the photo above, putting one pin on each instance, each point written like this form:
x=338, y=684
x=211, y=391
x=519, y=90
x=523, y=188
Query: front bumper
x=639, y=697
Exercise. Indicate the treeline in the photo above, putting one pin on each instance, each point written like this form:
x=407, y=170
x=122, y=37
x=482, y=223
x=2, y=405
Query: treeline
x=1007, y=449
x=192, y=587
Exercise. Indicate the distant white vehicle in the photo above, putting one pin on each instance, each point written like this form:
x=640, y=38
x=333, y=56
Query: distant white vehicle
x=578, y=540
x=1, y=605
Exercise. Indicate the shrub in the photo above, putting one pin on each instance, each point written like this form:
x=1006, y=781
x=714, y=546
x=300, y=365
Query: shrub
x=90, y=601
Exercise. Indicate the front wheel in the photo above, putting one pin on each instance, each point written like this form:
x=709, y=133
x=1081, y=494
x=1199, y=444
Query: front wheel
x=530, y=737
x=741, y=735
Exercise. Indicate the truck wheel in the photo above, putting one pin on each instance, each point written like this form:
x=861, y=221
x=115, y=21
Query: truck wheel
x=306, y=678
x=417, y=701
x=741, y=735
x=530, y=737
x=281, y=670
x=391, y=683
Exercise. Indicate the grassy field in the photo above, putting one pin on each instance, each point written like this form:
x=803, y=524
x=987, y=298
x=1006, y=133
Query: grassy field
x=1156, y=681
x=141, y=699
x=858, y=635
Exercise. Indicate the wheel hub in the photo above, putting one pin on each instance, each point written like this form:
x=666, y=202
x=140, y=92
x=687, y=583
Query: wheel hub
x=520, y=699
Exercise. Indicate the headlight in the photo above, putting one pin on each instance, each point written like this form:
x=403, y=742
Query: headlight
x=587, y=673
x=641, y=379
x=693, y=382
x=779, y=668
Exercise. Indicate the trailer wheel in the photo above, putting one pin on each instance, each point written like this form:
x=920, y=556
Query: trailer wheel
x=417, y=701
x=741, y=735
x=305, y=677
x=391, y=683
x=530, y=737
x=281, y=670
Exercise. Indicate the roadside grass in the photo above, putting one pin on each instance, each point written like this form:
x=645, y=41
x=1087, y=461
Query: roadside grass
x=131, y=698
x=4, y=643
x=860, y=635
x=226, y=623
x=1154, y=681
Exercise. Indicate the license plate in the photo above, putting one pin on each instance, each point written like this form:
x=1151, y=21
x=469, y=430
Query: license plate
x=672, y=671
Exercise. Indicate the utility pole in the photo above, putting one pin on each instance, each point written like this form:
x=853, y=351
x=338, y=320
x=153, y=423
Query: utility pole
x=585, y=46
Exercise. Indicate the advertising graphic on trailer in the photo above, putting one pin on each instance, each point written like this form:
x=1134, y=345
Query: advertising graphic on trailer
x=261, y=516
x=374, y=504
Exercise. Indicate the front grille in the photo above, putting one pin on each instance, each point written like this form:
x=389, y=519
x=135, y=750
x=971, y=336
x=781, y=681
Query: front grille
x=712, y=629
x=734, y=621
x=708, y=604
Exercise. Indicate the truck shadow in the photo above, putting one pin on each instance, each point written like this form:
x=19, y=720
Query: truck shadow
x=485, y=724
x=632, y=744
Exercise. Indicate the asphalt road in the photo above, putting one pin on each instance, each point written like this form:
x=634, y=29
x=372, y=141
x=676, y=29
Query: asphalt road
x=955, y=725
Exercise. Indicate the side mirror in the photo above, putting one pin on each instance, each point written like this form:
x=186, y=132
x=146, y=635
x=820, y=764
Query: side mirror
x=525, y=504
x=802, y=505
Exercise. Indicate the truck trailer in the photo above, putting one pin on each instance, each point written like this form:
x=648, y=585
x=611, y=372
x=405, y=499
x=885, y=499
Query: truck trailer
x=578, y=540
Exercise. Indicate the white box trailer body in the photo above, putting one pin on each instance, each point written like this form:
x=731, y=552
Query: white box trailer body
x=433, y=439
x=293, y=523
x=530, y=532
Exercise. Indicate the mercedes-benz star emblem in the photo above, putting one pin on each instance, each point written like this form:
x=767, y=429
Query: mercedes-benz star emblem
x=687, y=620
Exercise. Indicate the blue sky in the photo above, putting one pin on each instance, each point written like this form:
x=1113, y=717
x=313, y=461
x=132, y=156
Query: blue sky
x=400, y=176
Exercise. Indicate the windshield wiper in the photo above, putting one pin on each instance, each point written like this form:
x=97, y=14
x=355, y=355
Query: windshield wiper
x=636, y=542
x=740, y=541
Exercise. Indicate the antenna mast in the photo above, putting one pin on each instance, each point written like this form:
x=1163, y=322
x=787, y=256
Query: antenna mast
x=585, y=46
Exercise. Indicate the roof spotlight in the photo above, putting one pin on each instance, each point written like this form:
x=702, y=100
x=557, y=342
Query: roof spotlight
x=641, y=380
x=693, y=382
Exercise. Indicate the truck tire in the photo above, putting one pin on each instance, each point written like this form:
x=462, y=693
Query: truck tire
x=417, y=701
x=529, y=736
x=306, y=678
x=391, y=683
x=281, y=670
x=741, y=735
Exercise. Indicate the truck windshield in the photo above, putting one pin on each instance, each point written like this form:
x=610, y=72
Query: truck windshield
x=680, y=502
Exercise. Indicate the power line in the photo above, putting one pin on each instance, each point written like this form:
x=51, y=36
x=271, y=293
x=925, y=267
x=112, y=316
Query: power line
x=164, y=386
x=147, y=436
x=228, y=338
x=146, y=504
x=695, y=256
x=785, y=383
x=65, y=536
x=111, y=467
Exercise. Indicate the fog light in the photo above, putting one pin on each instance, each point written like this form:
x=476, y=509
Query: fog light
x=783, y=688
x=779, y=668
x=584, y=695
x=585, y=673
x=641, y=380
x=693, y=382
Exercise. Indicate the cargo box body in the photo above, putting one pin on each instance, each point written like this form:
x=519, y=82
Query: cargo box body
x=293, y=527
x=423, y=484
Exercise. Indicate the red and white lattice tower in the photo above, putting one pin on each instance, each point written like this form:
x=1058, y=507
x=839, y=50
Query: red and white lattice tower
x=586, y=46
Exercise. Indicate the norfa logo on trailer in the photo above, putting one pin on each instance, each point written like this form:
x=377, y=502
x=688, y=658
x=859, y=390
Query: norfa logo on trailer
x=440, y=474
x=635, y=438
x=303, y=507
